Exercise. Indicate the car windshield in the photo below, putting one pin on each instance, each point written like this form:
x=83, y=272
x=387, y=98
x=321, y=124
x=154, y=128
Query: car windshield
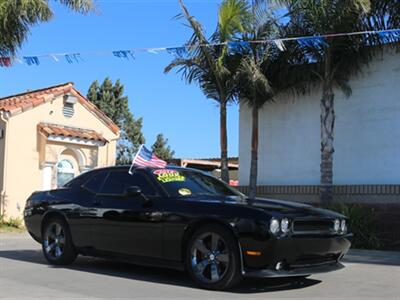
x=187, y=183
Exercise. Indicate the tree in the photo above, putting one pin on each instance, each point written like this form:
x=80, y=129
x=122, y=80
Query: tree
x=211, y=67
x=110, y=99
x=253, y=86
x=325, y=63
x=161, y=148
x=18, y=16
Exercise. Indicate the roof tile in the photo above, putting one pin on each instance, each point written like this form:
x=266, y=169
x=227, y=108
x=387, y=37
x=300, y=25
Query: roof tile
x=16, y=104
x=74, y=132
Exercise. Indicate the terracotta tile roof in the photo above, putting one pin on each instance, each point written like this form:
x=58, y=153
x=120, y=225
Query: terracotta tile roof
x=19, y=103
x=73, y=132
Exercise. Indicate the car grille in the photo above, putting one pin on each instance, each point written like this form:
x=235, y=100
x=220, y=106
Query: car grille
x=314, y=260
x=313, y=226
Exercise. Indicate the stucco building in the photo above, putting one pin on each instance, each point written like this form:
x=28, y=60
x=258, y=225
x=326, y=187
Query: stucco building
x=367, y=144
x=47, y=137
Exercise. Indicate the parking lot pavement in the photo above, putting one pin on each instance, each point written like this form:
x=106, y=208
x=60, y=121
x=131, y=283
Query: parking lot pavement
x=25, y=274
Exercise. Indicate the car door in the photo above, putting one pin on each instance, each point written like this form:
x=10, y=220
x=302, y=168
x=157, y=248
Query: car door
x=128, y=225
x=82, y=192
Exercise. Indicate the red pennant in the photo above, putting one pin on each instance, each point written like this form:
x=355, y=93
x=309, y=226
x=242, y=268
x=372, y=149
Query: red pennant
x=5, y=62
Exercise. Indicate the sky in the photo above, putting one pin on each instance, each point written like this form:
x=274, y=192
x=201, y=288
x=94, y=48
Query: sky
x=167, y=104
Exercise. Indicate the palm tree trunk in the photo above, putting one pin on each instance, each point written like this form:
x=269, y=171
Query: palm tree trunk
x=327, y=130
x=327, y=148
x=254, y=154
x=224, y=142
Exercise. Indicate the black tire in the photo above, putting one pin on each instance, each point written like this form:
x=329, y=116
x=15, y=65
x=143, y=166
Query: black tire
x=57, y=245
x=216, y=266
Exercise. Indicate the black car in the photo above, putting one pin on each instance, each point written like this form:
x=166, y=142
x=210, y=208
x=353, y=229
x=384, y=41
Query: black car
x=186, y=219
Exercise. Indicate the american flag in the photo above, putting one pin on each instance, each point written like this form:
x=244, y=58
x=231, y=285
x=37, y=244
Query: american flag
x=145, y=158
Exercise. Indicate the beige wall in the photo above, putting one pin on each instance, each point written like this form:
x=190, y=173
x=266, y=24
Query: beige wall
x=23, y=174
x=3, y=126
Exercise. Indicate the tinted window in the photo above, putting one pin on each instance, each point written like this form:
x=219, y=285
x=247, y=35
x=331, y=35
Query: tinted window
x=95, y=182
x=181, y=183
x=78, y=181
x=117, y=182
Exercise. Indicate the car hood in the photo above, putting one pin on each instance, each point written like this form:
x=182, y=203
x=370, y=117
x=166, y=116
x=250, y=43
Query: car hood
x=273, y=206
x=291, y=208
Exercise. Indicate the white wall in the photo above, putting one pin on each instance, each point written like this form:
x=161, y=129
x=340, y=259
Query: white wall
x=367, y=133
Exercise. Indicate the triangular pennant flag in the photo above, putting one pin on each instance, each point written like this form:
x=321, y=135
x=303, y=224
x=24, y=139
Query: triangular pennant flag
x=73, y=57
x=124, y=54
x=314, y=42
x=154, y=50
x=177, y=51
x=31, y=60
x=280, y=45
x=54, y=57
x=5, y=62
x=235, y=47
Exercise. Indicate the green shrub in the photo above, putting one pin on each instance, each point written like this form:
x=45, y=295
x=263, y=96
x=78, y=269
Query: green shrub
x=11, y=222
x=362, y=223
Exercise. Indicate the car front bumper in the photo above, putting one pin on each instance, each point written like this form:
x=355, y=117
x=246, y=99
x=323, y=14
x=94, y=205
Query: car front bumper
x=294, y=256
x=305, y=271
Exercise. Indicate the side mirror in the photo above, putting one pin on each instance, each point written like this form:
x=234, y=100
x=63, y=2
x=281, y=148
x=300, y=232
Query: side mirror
x=133, y=191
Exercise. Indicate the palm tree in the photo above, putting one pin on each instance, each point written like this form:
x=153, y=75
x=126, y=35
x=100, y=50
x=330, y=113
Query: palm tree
x=16, y=18
x=211, y=67
x=327, y=63
x=253, y=86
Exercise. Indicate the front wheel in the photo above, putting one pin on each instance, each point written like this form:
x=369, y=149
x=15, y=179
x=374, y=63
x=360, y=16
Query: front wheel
x=213, y=259
x=57, y=245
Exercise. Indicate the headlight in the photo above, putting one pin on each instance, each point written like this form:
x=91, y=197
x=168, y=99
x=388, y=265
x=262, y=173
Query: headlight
x=343, y=226
x=336, y=225
x=285, y=225
x=274, y=226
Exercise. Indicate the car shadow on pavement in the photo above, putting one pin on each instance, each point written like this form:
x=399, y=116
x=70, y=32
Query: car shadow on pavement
x=388, y=258
x=156, y=275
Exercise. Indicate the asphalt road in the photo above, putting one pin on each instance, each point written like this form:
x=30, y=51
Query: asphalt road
x=25, y=274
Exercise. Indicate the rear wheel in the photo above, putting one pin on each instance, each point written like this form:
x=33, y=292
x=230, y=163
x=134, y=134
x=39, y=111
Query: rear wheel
x=213, y=259
x=57, y=245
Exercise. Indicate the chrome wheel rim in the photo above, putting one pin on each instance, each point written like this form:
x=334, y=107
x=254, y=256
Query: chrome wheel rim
x=209, y=257
x=54, y=241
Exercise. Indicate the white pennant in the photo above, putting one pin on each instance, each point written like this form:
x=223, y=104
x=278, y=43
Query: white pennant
x=154, y=51
x=279, y=43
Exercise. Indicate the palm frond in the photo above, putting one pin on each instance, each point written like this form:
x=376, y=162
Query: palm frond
x=233, y=16
x=82, y=6
x=17, y=17
x=253, y=85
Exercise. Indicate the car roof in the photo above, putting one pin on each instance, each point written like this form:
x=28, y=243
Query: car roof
x=126, y=167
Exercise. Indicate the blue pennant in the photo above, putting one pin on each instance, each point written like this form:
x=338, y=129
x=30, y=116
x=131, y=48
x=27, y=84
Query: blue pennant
x=31, y=60
x=388, y=36
x=314, y=42
x=123, y=54
x=238, y=47
x=177, y=51
x=73, y=58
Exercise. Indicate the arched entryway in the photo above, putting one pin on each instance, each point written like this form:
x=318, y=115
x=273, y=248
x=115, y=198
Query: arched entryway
x=68, y=166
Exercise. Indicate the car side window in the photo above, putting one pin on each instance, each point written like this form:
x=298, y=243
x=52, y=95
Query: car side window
x=95, y=182
x=78, y=181
x=118, y=181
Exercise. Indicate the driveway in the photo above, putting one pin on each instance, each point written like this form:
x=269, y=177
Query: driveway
x=25, y=274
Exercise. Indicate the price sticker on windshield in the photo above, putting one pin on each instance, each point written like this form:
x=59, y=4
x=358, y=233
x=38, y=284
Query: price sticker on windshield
x=165, y=175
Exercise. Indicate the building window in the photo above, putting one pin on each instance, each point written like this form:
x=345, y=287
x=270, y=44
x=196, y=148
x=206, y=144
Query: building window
x=65, y=172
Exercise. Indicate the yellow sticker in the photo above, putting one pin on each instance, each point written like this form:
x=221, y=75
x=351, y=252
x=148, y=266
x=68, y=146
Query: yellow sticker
x=165, y=176
x=185, y=192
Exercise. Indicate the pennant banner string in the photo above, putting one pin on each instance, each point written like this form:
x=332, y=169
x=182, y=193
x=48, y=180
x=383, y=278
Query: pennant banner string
x=181, y=51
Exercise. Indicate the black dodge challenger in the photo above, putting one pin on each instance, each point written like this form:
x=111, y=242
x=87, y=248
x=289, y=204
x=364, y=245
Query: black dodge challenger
x=186, y=219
